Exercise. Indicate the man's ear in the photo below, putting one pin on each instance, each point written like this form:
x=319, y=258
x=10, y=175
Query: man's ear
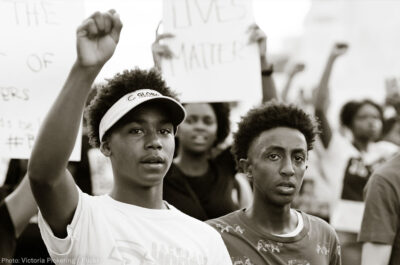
x=105, y=148
x=245, y=165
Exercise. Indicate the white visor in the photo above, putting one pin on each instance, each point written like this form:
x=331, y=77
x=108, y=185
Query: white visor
x=134, y=99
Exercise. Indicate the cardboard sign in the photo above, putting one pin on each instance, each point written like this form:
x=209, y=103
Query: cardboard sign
x=37, y=50
x=213, y=60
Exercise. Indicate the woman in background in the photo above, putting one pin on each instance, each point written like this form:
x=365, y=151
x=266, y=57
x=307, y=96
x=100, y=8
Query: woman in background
x=203, y=182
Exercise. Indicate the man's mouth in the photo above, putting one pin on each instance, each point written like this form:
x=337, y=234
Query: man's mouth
x=153, y=160
x=286, y=188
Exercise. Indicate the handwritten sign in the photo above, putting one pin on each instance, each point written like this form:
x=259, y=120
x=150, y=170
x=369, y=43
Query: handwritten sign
x=213, y=60
x=37, y=50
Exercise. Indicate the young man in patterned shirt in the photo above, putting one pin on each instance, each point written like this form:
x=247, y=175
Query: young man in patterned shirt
x=271, y=146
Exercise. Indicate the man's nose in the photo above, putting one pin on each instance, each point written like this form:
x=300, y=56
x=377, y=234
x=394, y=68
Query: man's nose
x=153, y=140
x=287, y=167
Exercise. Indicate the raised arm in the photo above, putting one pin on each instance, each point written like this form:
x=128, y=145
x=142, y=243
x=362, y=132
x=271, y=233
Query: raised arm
x=392, y=88
x=52, y=185
x=322, y=94
x=299, y=67
x=268, y=84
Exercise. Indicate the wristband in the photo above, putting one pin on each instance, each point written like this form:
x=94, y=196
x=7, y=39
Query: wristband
x=269, y=71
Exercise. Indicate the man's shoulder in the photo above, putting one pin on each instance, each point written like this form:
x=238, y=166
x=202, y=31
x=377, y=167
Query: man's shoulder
x=318, y=224
x=229, y=223
x=390, y=170
x=197, y=225
x=228, y=218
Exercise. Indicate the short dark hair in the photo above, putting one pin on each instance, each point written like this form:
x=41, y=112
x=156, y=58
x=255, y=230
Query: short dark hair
x=115, y=88
x=268, y=116
x=350, y=109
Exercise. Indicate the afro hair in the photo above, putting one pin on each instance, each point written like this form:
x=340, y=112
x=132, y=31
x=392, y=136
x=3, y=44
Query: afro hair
x=268, y=116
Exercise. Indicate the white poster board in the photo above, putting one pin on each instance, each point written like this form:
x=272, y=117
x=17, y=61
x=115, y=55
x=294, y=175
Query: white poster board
x=213, y=60
x=36, y=52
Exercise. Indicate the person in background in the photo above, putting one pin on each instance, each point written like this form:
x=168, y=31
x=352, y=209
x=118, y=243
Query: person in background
x=317, y=199
x=15, y=212
x=380, y=233
x=198, y=184
x=348, y=163
x=391, y=124
x=203, y=182
x=132, y=120
x=23, y=209
x=271, y=147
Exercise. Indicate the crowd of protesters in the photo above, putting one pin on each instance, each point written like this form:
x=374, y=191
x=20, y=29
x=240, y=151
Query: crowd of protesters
x=158, y=182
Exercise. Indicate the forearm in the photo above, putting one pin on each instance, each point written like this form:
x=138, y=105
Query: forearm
x=322, y=92
x=59, y=130
x=326, y=131
x=268, y=83
x=157, y=62
x=286, y=89
x=375, y=254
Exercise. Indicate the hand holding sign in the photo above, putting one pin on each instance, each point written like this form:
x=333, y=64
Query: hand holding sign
x=258, y=35
x=210, y=50
x=161, y=51
x=97, y=38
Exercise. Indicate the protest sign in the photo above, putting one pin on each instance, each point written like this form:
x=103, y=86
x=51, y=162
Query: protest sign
x=212, y=58
x=37, y=51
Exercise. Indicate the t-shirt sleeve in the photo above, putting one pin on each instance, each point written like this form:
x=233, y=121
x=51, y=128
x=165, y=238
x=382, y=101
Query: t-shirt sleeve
x=380, y=219
x=60, y=248
x=336, y=258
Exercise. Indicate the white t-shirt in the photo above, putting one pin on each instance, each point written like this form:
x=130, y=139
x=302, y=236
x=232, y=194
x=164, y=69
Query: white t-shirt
x=105, y=231
x=346, y=214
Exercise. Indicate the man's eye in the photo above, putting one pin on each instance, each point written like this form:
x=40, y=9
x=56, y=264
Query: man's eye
x=165, y=131
x=273, y=157
x=299, y=158
x=135, y=131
